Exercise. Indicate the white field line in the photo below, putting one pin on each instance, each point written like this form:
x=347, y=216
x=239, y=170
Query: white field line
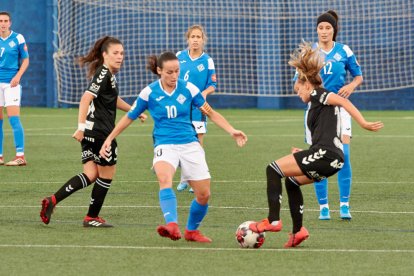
x=186, y=207
x=161, y=248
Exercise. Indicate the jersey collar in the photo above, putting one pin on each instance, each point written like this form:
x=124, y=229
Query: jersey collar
x=162, y=88
x=326, y=52
x=192, y=59
x=4, y=39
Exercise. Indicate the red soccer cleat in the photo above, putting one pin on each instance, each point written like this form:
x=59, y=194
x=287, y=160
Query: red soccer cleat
x=297, y=238
x=265, y=225
x=170, y=230
x=95, y=222
x=1, y=161
x=195, y=236
x=17, y=161
x=48, y=205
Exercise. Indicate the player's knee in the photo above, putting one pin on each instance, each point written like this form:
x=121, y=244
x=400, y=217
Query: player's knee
x=291, y=184
x=272, y=171
x=203, y=197
x=91, y=175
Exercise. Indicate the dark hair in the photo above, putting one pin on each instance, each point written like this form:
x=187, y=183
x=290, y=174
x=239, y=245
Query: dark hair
x=154, y=61
x=308, y=63
x=332, y=18
x=5, y=13
x=94, y=58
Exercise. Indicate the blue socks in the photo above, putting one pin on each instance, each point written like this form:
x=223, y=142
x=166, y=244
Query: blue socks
x=345, y=177
x=321, y=190
x=168, y=203
x=344, y=182
x=1, y=137
x=18, y=133
x=197, y=213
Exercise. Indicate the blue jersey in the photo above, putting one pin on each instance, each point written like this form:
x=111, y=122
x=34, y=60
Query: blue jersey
x=170, y=111
x=338, y=61
x=12, y=50
x=200, y=72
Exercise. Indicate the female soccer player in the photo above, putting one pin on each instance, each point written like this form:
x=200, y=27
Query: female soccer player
x=97, y=111
x=169, y=102
x=197, y=67
x=325, y=156
x=14, y=60
x=339, y=59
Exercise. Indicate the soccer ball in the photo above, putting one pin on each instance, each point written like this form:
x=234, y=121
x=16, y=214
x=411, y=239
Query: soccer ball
x=247, y=238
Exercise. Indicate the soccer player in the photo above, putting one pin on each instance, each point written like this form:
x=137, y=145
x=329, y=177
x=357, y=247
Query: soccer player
x=169, y=102
x=96, y=119
x=325, y=156
x=197, y=67
x=339, y=59
x=14, y=60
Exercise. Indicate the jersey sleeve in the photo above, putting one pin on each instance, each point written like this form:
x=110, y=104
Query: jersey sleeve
x=211, y=78
x=140, y=104
x=352, y=64
x=98, y=82
x=197, y=99
x=320, y=96
x=23, y=51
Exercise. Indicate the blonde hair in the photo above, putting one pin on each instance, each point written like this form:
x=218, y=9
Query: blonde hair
x=196, y=27
x=308, y=63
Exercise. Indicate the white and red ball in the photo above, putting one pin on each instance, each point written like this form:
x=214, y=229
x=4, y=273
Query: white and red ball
x=247, y=238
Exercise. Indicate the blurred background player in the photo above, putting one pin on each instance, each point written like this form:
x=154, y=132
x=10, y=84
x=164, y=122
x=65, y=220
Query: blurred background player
x=97, y=113
x=169, y=102
x=197, y=67
x=324, y=157
x=14, y=60
x=339, y=59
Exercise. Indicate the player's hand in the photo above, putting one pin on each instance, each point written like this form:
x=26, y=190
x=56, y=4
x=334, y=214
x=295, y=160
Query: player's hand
x=78, y=135
x=373, y=126
x=14, y=82
x=294, y=150
x=346, y=91
x=105, y=151
x=142, y=117
x=240, y=137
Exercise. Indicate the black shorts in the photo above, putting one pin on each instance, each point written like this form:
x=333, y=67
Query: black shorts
x=318, y=164
x=90, y=151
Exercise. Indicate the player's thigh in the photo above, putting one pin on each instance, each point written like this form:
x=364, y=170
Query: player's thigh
x=91, y=170
x=165, y=163
x=165, y=173
x=193, y=162
x=289, y=166
x=2, y=89
x=12, y=96
x=106, y=172
x=346, y=126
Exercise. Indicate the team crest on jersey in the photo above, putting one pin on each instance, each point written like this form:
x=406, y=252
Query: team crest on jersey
x=201, y=67
x=12, y=44
x=181, y=99
x=337, y=57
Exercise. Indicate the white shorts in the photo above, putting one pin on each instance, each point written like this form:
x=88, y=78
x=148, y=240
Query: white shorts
x=190, y=157
x=10, y=96
x=200, y=127
x=346, y=122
